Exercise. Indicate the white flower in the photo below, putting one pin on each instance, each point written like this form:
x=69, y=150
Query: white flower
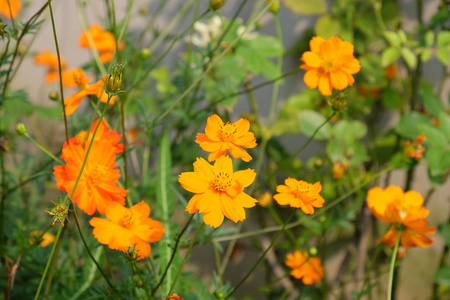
x=205, y=33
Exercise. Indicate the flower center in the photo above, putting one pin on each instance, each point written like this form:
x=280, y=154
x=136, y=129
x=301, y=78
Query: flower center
x=228, y=131
x=96, y=174
x=302, y=189
x=222, y=182
x=128, y=219
x=328, y=66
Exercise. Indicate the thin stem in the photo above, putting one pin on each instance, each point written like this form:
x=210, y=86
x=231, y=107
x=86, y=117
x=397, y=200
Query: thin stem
x=218, y=266
x=3, y=197
x=274, y=239
x=12, y=18
x=124, y=137
x=264, y=287
x=61, y=90
x=43, y=149
x=185, y=259
x=392, y=267
x=177, y=242
x=276, y=85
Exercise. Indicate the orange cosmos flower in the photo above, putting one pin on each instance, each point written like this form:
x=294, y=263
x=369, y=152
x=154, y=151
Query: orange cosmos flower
x=104, y=42
x=219, y=190
x=16, y=6
x=97, y=187
x=174, y=297
x=405, y=211
x=72, y=102
x=128, y=227
x=220, y=138
x=329, y=65
x=50, y=61
x=104, y=134
x=308, y=268
x=300, y=194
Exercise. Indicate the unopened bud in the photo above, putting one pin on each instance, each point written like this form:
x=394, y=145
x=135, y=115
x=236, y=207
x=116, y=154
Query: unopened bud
x=21, y=129
x=132, y=253
x=113, y=81
x=312, y=251
x=2, y=28
x=53, y=95
x=143, y=10
x=219, y=295
x=216, y=4
x=275, y=6
x=145, y=53
x=265, y=199
x=338, y=102
x=139, y=283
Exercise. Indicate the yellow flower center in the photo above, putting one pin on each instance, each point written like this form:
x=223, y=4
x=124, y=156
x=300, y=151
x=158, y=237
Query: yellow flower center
x=302, y=189
x=96, y=174
x=228, y=131
x=128, y=219
x=328, y=66
x=222, y=182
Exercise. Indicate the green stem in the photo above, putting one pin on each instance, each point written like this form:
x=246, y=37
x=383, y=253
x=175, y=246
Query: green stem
x=61, y=90
x=276, y=85
x=124, y=137
x=177, y=242
x=2, y=202
x=218, y=266
x=264, y=287
x=274, y=239
x=43, y=149
x=392, y=267
x=12, y=19
x=185, y=259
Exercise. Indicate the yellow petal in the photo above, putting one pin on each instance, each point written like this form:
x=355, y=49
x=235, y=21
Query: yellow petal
x=245, y=177
x=325, y=86
x=339, y=80
x=311, y=78
x=315, y=43
x=213, y=126
x=311, y=59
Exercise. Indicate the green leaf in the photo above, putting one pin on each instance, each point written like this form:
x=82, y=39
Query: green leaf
x=430, y=100
x=444, y=231
x=443, y=54
x=434, y=137
x=409, y=57
x=215, y=90
x=393, y=38
x=429, y=38
x=426, y=54
x=349, y=131
x=335, y=151
x=326, y=26
x=359, y=154
x=438, y=160
x=443, y=38
x=307, y=7
x=407, y=126
x=389, y=56
x=256, y=63
x=391, y=99
x=444, y=120
x=310, y=120
x=230, y=67
x=266, y=45
x=443, y=276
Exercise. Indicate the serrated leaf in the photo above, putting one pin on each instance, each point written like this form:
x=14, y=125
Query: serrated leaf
x=310, y=7
x=407, y=126
x=327, y=26
x=310, y=121
x=389, y=56
x=409, y=57
x=434, y=137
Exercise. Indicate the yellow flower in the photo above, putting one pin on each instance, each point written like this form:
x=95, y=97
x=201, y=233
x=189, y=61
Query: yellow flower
x=44, y=240
x=300, y=194
x=220, y=138
x=308, y=268
x=218, y=190
x=329, y=65
x=405, y=211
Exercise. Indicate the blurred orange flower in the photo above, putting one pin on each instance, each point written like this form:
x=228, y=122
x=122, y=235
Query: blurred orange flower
x=97, y=187
x=42, y=239
x=50, y=61
x=16, y=6
x=220, y=138
x=128, y=227
x=104, y=134
x=309, y=269
x=329, y=65
x=405, y=211
x=219, y=190
x=103, y=40
x=72, y=102
x=174, y=297
x=300, y=194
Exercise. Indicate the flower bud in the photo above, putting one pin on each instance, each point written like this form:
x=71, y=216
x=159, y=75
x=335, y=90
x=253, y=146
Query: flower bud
x=53, y=95
x=275, y=6
x=139, y=283
x=2, y=28
x=216, y=4
x=132, y=253
x=59, y=212
x=145, y=53
x=21, y=129
x=113, y=81
x=265, y=199
x=338, y=102
x=313, y=251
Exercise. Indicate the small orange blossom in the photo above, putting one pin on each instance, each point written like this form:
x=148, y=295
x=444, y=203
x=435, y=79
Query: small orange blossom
x=309, y=269
x=16, y=6
x=104, y=42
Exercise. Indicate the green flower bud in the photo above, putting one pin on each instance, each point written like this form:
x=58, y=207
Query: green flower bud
x=21, y=129
x=113, y=81
x=216, y=4
x=53, y=95
x=313, y=251
x=275, y=6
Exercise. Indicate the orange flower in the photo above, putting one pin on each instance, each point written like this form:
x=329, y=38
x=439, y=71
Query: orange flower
x=219, y=191
x=339, y=169
x=104, y=134
x=128, y=227
x=103, y=40
x=308, y=268
x=329, y=65
x=16, y=6
x=220, y=138
x=174, y=297
x=72, y=102
x=299, y=193
x=97, y=187
x=405, y=211
x=50, y=60
x=42, y=239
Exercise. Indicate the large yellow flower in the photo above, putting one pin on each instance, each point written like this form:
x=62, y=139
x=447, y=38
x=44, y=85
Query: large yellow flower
x=218, y=190
x=220, y=138
x=128, y=227
x=405, y=211
x=308, y=268
x=300, y=194
x=329, y=65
